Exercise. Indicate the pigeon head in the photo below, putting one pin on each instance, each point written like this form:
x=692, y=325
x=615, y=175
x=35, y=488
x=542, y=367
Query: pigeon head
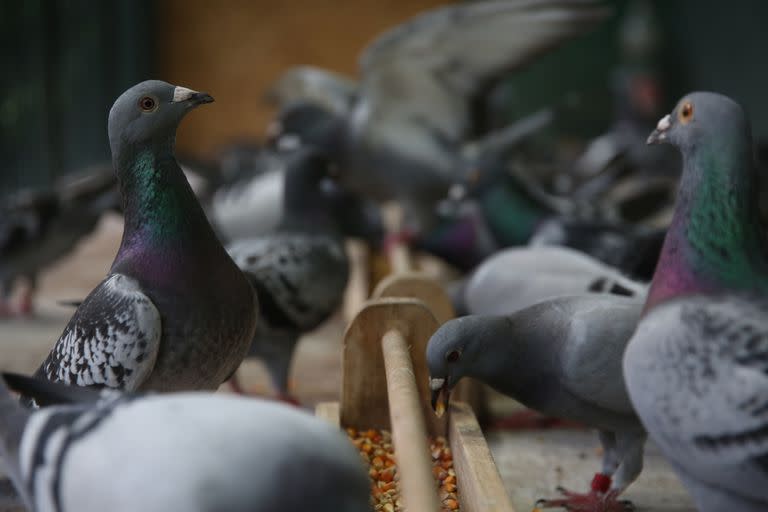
x=700, y=119
x=307, y=176
x=305, y=124
x=456, y=350
x=148, y=114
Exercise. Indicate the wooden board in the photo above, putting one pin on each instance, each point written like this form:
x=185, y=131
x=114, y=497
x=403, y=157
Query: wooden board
x=418, y=286
x=328, y=411
x=478, y=479
x=364, y=401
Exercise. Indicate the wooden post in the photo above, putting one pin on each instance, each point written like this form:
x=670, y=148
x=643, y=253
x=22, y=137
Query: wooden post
x=400, y=259
x=409, y=433
x=364, y=402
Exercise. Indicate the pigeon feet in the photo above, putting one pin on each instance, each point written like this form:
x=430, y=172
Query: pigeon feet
x=289, y=399
x=599, y=499
x=26, y=306
x=590, y=502
x=528, y=419
x=404, y=237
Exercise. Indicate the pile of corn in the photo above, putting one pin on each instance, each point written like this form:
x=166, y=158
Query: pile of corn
x=376, y=448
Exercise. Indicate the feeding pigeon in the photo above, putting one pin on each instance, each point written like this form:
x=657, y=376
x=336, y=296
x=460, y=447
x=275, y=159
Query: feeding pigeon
x=696, y=367
x=174, y=312
x=300, y=272
x=37, y=228
x=405, y=134
x=562, y=358
x=185, y=451
x=516, y=278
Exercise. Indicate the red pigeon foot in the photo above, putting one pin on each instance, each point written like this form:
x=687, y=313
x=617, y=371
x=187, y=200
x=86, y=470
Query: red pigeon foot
x=599, y=499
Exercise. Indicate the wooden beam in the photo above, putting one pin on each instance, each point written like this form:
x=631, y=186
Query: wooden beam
x=480, y=485
x=409, y=432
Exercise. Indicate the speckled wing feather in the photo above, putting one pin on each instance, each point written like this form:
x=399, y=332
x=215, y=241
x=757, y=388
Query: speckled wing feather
x=299, y=278
x=697, y=369
x=112, y=340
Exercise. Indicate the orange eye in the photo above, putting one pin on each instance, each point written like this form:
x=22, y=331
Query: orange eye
x=148, y=104
x=685, y=114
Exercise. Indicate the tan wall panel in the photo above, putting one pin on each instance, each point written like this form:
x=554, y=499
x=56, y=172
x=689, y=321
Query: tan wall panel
x=234, y=49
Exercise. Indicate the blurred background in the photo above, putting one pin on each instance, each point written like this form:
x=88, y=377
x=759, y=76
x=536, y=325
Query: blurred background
x=66, y=61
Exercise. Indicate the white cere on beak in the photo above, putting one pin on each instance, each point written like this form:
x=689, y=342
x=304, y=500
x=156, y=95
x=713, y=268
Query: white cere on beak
x=182, y=94
x=288, y=142
x=435, y=384
x=664, y=124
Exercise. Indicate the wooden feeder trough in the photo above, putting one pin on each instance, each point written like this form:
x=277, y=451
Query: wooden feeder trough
x=385, y=387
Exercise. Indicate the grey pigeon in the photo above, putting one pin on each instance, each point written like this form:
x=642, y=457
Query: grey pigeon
x=197, y=452
x=300, y=272
x=408, y=134
x=252, y=205
x=696, y=367
x=174, y=312
x=332, y=91
x=562, y=358
x=517, y=278
x=37, y=228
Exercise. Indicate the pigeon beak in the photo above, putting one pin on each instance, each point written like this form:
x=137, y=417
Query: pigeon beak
x=192, y=98
x=659, y=135
x=440, y=395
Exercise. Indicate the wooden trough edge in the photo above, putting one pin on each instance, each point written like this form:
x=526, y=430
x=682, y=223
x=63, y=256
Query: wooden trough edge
x=480, y=486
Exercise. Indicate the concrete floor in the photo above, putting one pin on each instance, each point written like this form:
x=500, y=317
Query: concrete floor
x=532, y=463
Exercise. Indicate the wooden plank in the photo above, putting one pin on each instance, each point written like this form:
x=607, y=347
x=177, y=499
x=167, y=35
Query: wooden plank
x=328, y=411
x=416, y=285
x=400, y=259
x=409, y=432
x=480, y=486
x=359, y=287
x=364, y=386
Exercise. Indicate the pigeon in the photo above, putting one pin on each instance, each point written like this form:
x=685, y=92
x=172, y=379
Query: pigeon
x=191, y=451
x=331, y=91
x=408, y=133
x=634, y=250
x=696, y=367
x=252, y=205
x=174, y=312
x=37, y=228
x=300, y=272
x=562, y=358
x=519, y=277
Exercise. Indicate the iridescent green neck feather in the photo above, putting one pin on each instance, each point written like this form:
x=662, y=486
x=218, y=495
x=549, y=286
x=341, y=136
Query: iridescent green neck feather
x=715, y=242
x=162, y=214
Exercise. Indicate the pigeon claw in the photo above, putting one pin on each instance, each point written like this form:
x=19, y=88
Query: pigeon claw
x=589, y=502
x=289, y=399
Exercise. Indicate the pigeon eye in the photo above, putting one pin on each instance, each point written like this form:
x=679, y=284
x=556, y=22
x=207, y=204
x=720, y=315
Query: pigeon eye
x=148, y=104
x=686, y=113
x=453, y=356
